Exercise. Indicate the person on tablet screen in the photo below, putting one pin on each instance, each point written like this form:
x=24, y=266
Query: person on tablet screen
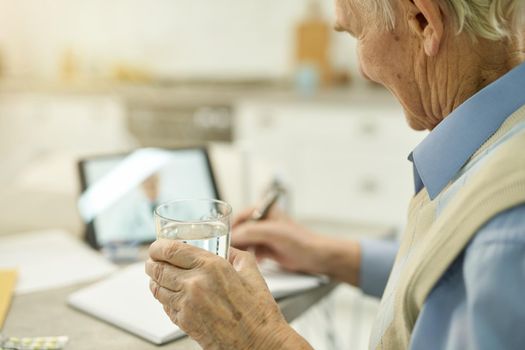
x=137, y=221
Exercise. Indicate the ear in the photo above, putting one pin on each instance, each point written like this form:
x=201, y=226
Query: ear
x=426, y=20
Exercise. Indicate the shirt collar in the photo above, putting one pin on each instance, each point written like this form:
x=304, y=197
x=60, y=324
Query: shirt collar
x=439, y=157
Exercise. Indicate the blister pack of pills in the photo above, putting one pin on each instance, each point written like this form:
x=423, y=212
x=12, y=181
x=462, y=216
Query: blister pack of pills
x=36, y=343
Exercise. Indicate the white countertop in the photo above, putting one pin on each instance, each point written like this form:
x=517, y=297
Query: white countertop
x=196, y=92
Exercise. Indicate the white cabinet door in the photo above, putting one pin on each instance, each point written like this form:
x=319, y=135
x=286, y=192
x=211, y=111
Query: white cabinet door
x=35, y=125
x=64, y=123
x=345, y=163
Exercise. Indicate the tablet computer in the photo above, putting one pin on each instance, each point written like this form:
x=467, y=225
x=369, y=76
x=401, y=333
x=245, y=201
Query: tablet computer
x=120, y=192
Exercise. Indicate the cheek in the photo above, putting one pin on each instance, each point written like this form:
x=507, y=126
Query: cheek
x=387, y=65
x=372, y=62
x=384, y=62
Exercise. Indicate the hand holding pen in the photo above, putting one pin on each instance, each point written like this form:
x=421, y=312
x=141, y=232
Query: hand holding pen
x=271, y=234
x=264, y=209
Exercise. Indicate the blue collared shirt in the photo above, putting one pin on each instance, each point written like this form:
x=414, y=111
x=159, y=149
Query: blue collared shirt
x=478, y=303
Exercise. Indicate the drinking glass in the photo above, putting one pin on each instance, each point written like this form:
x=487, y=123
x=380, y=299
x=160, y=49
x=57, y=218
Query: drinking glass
x=203, y=223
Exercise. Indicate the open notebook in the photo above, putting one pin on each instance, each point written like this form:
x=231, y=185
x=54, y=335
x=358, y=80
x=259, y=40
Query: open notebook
x=124, y=300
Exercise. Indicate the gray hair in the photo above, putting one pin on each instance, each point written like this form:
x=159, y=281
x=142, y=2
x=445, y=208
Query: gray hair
x=489, y=19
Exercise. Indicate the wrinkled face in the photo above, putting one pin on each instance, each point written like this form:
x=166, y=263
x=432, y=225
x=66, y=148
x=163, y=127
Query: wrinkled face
x=373, y=44
x=387, y=57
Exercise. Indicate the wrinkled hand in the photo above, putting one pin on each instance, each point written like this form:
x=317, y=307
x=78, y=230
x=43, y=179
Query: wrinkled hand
x=296, y=248
x=220, y=304
x=275, y=214
x=280, y=239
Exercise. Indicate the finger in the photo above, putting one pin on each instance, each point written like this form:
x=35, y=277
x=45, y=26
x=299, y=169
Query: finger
x=166, y=275
x=242, y=217
x=277, y=213
x=172, y=314
x=168, y=298
x=177, y=253
x=240, y=259
x=256, y=233
x=263, y=252
x=246, y=266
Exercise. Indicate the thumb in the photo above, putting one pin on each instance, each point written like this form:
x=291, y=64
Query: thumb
x=246, y=266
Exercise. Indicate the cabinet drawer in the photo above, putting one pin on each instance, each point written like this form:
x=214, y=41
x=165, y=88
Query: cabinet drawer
x=357, y=189
x=342, y=162
x=356, y=129
x=171, y=126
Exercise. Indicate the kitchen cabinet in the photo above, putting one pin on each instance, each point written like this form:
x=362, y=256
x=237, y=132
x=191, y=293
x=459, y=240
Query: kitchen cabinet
x=42, y=136
x=179, y=123
x=343, y=162
x=33, y=125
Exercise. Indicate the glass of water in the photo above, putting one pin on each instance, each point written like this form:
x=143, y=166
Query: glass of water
x=203, y=223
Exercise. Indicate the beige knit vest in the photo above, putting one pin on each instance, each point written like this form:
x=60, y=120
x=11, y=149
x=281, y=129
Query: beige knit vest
x=429, y=245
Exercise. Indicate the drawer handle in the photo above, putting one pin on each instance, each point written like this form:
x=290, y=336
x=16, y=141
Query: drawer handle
x=369, y=186
x=266, y=121
x=369, y=129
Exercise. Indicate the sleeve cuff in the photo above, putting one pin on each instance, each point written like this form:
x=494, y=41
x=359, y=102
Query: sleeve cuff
x=377, y=260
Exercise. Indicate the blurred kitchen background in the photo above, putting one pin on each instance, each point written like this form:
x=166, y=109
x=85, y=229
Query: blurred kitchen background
x=267, y=84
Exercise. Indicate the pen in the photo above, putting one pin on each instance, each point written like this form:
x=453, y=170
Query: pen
x=262, y=210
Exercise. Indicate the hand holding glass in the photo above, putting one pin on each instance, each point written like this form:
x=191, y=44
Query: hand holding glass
x=203, y=223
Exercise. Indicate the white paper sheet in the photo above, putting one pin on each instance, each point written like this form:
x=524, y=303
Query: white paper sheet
x=124, y=300
x=283, y=283
x=50, y=259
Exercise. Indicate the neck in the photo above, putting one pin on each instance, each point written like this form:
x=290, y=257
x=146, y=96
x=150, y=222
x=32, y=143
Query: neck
x=478, y=65
x=497, y=59
x=521, y=41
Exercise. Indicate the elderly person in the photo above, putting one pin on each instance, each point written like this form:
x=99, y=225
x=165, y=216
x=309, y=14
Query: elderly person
x=457, y=278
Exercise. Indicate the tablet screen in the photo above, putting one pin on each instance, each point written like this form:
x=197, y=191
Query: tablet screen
x=120, y=192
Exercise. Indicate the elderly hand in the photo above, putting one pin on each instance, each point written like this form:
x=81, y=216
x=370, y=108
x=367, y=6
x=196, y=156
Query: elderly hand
x=220, y=304
x=296, y=248
x=278, y=238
